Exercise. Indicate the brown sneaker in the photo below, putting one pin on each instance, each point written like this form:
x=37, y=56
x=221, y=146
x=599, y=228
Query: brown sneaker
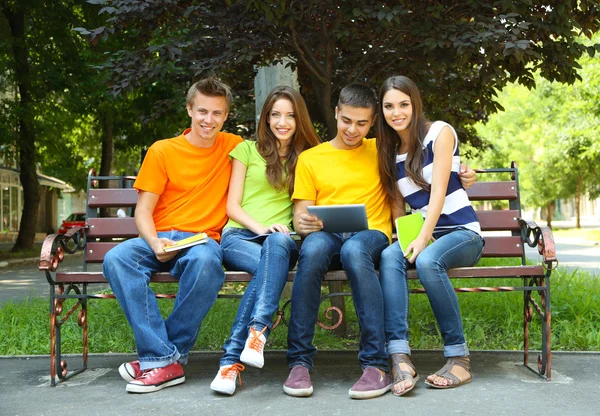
x=373, y=383
x=298, y=382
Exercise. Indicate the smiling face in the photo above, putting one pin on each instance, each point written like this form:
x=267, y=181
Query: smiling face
x=208, y=115
x=353, y=124
x=282, y=121
x=397, y=110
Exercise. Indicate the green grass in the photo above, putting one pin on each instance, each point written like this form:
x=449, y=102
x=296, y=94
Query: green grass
x=6, y=254
x=491, y=321
x=581, y=233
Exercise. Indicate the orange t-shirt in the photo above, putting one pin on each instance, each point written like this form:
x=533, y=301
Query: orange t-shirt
x=191, y=182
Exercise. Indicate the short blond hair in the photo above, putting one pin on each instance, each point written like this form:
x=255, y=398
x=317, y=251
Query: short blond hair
x=210, y=87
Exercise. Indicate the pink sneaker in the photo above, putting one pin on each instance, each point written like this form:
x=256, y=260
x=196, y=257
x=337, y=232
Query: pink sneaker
x=157, y=379
x=130, y=371
x=373, y=383
x=298, y=382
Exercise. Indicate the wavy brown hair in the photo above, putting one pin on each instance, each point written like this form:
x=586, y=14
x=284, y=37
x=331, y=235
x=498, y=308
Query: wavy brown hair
x=281, y=172
x=389, y=141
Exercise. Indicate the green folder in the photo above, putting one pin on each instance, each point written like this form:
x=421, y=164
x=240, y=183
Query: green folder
x=408, y=228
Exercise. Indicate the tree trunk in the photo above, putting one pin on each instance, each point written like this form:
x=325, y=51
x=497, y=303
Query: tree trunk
x=26, y=138
x=549, y=210
x=325, y=107
x=578, y=202
x=107, y=121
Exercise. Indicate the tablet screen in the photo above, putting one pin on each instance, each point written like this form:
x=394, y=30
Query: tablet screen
x=341, y=218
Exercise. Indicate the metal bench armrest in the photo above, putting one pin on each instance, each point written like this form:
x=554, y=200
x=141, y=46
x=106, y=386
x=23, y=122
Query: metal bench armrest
x=56, y=245
x=542, y=237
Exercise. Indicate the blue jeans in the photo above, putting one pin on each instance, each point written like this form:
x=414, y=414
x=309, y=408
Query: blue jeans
x=269, y=264
x=358, y=254
x=458, y=248
x=128, y=268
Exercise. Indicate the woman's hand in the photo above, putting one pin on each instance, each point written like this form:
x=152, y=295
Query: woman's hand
x=278, y=228
x=415, y=248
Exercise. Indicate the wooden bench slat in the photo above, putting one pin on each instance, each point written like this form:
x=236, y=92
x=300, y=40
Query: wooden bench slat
x=112, y=197
x=496, y=246
x=336, y=275
x=112, y=227
x=503, y=246
x=498, y=220
x=493, y=191
x=95, y=251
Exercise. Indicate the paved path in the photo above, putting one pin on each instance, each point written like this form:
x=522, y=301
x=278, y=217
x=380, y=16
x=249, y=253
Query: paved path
x=574, y=254
x=501, y=386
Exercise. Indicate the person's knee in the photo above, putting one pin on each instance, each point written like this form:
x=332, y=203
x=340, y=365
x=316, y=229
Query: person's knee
x=277, y=241
x=390, y=256
x=316, y=247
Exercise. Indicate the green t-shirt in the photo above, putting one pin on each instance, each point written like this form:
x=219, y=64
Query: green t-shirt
x=260, y=200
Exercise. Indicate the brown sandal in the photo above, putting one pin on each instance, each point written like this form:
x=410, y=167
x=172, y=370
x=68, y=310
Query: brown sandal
x=445, y=373
x=402, y=375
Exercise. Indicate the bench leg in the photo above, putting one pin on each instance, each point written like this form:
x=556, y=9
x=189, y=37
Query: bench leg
x=544, y=360
x=526, y=320
x=58, y=367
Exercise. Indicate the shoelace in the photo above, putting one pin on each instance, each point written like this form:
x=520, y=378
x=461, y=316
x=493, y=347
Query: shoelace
x=233, y=371
x=256, y=343
x=148, y=373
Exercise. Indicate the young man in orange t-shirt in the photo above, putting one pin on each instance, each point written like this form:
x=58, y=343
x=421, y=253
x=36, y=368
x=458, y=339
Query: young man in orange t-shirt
x=182, y=187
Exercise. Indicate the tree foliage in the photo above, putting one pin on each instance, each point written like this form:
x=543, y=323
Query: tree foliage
x=459, y=52
x=552, y=132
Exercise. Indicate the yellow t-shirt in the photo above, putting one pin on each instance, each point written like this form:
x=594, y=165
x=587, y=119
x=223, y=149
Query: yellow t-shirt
x=191, y=182
x=331, y=176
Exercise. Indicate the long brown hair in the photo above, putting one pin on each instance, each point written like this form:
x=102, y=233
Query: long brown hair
x=389, y=141
x=281, y=173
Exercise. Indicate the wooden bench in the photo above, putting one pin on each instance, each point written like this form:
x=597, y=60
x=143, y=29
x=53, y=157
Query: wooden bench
x=103, y=232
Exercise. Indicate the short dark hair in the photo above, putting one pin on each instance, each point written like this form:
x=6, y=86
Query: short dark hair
x=358, y=95
x=210, y=87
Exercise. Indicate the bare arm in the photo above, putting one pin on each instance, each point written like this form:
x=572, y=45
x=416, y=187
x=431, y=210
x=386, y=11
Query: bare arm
x=442, y=165
x=304, y=223
x=145, y=224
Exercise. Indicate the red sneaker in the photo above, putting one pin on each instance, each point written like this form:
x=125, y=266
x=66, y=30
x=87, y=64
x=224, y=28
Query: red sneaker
x=156, y=379
x=130, y=371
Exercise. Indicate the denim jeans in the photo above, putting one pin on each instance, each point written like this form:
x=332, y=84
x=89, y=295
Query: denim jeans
x=358, y=254
x=458, y=248
x=128, y=268
x=269, y=264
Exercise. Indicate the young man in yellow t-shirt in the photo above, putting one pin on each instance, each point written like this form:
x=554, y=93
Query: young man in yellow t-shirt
x=341, y=171
x=182, y=186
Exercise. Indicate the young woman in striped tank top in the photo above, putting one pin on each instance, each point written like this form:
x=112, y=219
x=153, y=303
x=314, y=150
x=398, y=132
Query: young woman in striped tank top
x=419, y=163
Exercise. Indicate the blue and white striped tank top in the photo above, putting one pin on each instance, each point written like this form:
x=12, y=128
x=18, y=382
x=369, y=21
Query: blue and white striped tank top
x=457, y=210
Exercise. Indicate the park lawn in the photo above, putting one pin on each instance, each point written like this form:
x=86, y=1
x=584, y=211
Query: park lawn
x=492, y=321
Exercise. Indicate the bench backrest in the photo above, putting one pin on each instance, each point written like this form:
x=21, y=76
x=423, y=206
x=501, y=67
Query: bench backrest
x=107, y=231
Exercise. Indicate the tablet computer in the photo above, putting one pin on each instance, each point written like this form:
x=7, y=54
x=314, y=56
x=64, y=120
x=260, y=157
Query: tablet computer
x=341, y=218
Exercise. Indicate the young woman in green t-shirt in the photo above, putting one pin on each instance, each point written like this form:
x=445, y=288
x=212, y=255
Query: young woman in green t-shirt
x=257, y=237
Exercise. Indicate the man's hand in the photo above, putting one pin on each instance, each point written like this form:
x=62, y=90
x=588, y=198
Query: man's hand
x=157, y=245
x=307, y=224
x=467, y=176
